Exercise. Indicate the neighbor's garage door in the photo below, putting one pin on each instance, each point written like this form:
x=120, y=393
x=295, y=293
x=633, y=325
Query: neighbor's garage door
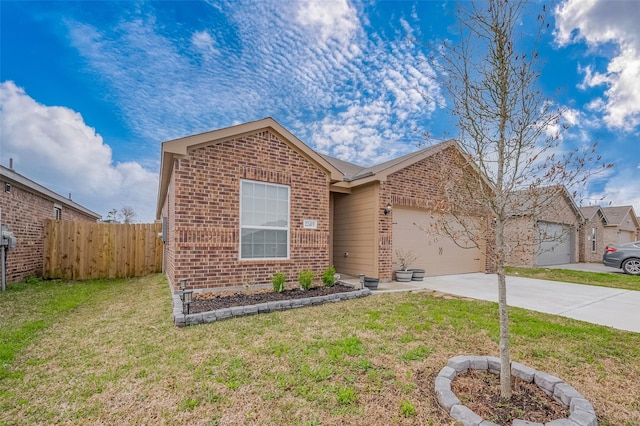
x=438, y=255
x=556, y=244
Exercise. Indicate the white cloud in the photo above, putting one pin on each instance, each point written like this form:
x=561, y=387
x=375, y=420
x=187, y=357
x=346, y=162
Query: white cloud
x=320, y=68
x=204, y=42
x=601, y=23
x=53, y=146
x=335, y=19
x=620, y=189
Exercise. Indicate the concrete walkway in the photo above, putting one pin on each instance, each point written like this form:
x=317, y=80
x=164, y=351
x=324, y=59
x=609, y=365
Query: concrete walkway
x=598, y=305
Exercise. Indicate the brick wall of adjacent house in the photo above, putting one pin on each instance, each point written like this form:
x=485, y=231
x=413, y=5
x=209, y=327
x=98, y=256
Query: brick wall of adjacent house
x=24, y=212
x=586, y=254
x=522, y=236
x=205, y=225
x=433, y=184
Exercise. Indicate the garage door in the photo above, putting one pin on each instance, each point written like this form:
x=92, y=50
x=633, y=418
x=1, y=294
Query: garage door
x=556, y=244
x=438, y=255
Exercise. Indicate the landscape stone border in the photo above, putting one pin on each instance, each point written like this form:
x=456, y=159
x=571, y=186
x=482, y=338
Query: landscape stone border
x=581, y=411
x=181, y=320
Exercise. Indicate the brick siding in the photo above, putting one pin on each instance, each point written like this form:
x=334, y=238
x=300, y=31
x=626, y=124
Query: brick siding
x=24, y=212
x=421, y=185
x=203, y=208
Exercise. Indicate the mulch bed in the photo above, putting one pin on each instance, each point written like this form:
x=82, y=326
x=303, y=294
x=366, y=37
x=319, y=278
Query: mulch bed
x=205, y=302
x=480, y=392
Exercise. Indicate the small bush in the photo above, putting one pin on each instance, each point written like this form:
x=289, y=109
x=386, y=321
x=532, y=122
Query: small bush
x=305, y=278
x=407, y=408
x=278, y=281
x=328, y=278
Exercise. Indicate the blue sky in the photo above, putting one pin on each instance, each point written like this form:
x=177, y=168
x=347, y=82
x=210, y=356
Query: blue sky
x=89, y=90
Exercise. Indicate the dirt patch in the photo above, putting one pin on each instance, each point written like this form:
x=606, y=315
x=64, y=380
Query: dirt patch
x=205, y=302
x=480, y=392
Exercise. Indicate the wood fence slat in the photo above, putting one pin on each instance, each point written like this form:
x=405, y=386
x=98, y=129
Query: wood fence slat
x=85, y=250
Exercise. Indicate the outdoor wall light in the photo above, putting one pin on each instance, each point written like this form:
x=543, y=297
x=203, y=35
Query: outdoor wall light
x=387, y=210
x=187, y=297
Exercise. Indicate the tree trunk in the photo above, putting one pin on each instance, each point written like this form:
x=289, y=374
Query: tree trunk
x=505, y=361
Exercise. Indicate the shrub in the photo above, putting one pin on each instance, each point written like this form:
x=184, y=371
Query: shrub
x=305, y=278
x=278, y=281
x=328, y=276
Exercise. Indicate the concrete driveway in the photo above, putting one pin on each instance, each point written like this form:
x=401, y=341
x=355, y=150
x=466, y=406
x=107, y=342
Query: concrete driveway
x=598, y=305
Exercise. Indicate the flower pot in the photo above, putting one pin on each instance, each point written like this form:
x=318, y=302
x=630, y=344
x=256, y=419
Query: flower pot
x=371, y=283
x=404, y=276
x=418, y=274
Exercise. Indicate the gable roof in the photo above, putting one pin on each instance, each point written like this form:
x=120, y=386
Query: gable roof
x=16, y=178
x=179, y=148
x=358, y=175
x=524, y=204
x=615, y=216
x=590, y=211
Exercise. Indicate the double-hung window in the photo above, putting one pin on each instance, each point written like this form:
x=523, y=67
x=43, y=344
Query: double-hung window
x=264, y=220
x=594, y=240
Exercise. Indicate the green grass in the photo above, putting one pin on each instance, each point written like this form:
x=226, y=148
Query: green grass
x=107, y=352
x=28, y=308
x=602, y=279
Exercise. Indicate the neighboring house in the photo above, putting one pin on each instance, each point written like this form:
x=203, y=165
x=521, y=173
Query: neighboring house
x=592, y=234
x=621, y=226
x=25, y=205
x=243, y=202
x=543, y=228
x=604, y=226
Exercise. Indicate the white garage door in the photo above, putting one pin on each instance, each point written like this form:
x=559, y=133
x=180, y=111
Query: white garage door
x=437, y=255
x=556, y=244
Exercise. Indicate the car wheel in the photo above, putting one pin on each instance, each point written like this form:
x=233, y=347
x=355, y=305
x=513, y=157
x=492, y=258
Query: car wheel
x=631, y=266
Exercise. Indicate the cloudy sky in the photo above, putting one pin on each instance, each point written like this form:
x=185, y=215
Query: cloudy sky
x=89, y=90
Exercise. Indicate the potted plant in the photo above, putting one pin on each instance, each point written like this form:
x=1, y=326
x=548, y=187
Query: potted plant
x=405, y=257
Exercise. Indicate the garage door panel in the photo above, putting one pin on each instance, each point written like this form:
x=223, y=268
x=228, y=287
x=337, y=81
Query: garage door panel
x=555, y=244
x=437, y=254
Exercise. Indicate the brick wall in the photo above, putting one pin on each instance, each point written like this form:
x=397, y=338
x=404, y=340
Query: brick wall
x=24, y=213
x=205, y=224
x=438, y=183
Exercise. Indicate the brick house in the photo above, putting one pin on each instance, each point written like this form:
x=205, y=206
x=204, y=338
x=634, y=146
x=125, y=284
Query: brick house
x=25, y=205
x=604, y=226
x=243, y=202
x=543, y=228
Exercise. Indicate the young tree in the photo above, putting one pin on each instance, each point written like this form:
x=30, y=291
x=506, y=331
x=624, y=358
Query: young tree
x=127, y=214
x=111, y=216
x=509, y=130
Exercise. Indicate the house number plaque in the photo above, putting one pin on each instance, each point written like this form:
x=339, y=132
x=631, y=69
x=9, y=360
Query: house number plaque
x=310, y=224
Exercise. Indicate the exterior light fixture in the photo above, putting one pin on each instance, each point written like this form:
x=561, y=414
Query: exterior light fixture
x=187, y=297
x=387, y=209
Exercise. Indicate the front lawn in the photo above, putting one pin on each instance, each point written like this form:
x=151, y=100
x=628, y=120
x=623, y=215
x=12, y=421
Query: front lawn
x=602, y=279
x=106, y=352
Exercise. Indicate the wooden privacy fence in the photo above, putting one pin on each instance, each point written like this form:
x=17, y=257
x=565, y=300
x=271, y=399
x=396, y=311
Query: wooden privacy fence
x=86, y=250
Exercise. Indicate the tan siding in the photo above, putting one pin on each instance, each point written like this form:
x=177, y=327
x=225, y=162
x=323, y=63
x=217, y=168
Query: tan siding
x=355, y=231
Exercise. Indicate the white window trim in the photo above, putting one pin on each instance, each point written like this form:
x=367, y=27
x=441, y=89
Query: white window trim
x=57, y=208
x=276, y=228
x=594, y=240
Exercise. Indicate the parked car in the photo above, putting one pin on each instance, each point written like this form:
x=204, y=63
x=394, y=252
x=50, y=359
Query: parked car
x=625, y=256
